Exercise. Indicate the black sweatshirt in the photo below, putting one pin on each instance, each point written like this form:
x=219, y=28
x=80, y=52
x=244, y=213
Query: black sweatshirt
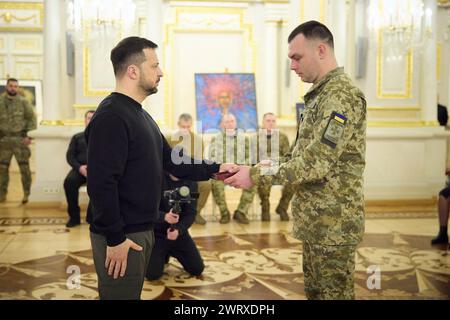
x=77, y=152
x=127, y=155
x=188, y=210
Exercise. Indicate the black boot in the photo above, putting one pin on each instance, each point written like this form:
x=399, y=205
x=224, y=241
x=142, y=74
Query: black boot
x=72, y=223
x=442, y=237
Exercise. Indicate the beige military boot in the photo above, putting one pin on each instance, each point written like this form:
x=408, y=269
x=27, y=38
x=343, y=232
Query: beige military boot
x=240, y=217
x=199, y=219
x=283, y=214
x=265, y=212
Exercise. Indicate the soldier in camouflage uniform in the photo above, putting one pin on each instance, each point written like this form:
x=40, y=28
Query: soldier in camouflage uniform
x=17, y=117
x=193, y=146
x=231, y=146
x=269, y=137
x=326, y=166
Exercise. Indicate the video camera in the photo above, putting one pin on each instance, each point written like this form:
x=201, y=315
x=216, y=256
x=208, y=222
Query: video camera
x=178, y=196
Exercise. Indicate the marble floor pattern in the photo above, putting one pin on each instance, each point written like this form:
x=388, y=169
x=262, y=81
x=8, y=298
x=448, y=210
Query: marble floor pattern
x=40, y=258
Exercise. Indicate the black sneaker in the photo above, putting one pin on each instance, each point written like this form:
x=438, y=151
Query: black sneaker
x=72, y=223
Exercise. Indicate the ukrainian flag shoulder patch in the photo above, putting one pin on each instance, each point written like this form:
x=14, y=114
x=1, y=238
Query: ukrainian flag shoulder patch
x=334, y=130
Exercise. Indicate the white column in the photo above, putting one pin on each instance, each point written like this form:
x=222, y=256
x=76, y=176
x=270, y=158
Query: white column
x=428, y=87
x=155, y=103
x=349, y=63
x=52, y=41
x=270, y=84
x=338, y=25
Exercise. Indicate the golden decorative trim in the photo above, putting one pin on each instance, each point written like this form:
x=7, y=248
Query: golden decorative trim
x=85, y=106
x=409, y=70
x=322, y=11
x=393, y=108
x=87, y=90
x=406, y=124
x=65, y=123
x=401, y=203
x=170, y=29
x=239, y=1
x=8, y=17
x=409, y=74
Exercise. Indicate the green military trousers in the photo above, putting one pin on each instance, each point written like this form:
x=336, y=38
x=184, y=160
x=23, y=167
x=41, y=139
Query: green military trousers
x=329, y=271
x=10, y=146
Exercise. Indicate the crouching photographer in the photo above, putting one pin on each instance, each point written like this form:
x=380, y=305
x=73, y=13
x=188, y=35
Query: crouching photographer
x=172, y=238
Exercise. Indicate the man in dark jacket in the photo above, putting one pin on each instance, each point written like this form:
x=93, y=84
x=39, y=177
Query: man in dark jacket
x=77, y=158
x=172, y=238
x=127, y=156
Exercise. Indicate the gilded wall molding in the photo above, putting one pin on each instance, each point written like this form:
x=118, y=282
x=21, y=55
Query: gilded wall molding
x=204, y=22
x=21, y=16
x=407, y=93
x=303, y=88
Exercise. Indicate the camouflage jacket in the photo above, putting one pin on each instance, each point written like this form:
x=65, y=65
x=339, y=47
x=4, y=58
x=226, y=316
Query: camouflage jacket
x=264, y=146
x=327, y=164
x=191, y=143
x=230, y=149
x=17, y=117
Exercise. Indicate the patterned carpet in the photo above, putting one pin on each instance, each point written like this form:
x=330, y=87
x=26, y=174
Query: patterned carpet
x=263, y=266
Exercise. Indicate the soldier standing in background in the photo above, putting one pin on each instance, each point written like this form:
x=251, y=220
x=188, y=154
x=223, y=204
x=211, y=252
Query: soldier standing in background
x=267, y=138
x=192, y=145
x=326, y=166
x=231, y=146
x=17, y=117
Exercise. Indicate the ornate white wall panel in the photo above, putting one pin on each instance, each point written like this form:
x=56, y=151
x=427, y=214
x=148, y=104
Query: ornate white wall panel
x=21, y=16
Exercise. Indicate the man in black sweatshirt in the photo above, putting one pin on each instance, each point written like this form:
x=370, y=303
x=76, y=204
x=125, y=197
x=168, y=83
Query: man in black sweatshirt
x=127, y=155
x=172, y=238
x=77, y=158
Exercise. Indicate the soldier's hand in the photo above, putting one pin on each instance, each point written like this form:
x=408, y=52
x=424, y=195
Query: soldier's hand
x=241, y=179
x=83, y=170
x=229, y=167
x=26, y=141
x=172, y=234
x=171, y=218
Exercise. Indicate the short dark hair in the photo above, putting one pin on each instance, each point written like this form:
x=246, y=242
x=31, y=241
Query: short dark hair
x=129, y=51
x=185, y=117
x=11, y=80
x=313, y=30
x=87, y=112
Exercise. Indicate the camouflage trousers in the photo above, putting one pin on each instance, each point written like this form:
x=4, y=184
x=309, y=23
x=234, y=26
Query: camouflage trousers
x=204, y=188
x=329, y=271
x=8, y=148
x=264, y=186
x=218, y=192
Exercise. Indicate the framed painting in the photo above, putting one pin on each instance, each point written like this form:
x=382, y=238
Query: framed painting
x=221, y=93
x=31, y=90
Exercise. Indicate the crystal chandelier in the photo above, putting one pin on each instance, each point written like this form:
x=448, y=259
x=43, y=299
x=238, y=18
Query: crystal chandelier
x=403, y=25
x=97, y=19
